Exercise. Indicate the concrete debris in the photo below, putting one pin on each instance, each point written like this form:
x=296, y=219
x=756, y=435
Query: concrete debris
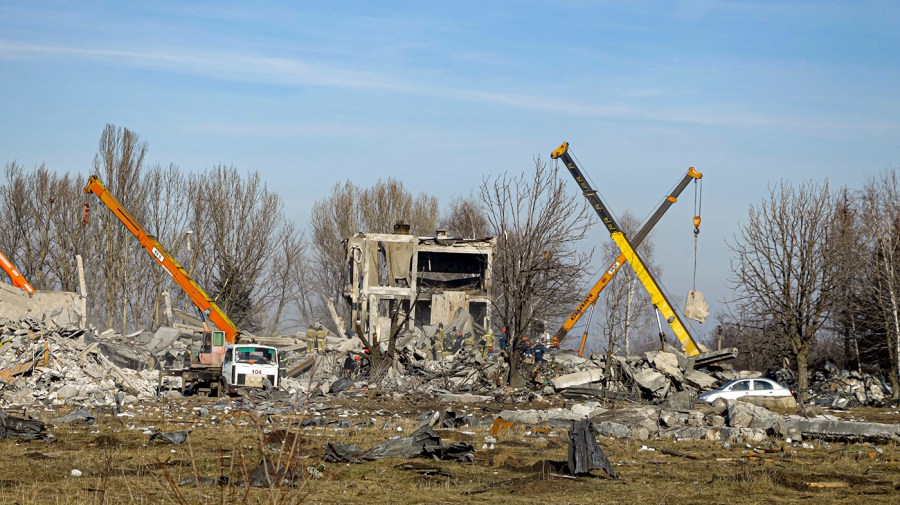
x=832, y=428
x=59, y=308
x=42, y=362
x=833, y=387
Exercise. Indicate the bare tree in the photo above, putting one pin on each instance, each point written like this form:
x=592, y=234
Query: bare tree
x=241, y=222
x=536, y=265
x=119, y=162
x=881, y=213
x=333, y=220
x=850, y=303
x=784, y=267
x=465, y=219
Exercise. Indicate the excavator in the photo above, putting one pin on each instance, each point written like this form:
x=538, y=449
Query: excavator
x=223, y=361
x=18, y=280
x=591, y=298
x=657, y=297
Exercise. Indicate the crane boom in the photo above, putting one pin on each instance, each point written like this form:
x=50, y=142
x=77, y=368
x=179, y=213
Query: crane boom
x=18, y=280
x=657, y=297
x=197, y=295
x=594, y=293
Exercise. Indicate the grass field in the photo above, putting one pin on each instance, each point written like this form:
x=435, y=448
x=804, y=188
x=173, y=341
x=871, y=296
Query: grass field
x=118, y=465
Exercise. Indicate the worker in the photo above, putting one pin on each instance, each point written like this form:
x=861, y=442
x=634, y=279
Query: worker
x=439, y=342
x=351, y=364
x=320, y=337
x=538, y=350
x=310, y=340
x=487, y=344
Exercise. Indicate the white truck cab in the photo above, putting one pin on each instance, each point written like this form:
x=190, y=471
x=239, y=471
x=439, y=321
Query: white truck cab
x=249, y=365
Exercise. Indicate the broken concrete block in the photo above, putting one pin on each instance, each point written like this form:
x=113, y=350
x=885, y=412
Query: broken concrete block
x=612, y=429
x=569, y=359
x=589, y=409
x=639, y=433
x=715, y=420
x=827, y=428
x=700, y=380
x=747, y=415
x=652, y=381
x=667, y=420
x=696, y=307
x=680, y=400
x=577, y=379
x=667, y=363
x=746, y=435
x=463, y=398
x=162, y=339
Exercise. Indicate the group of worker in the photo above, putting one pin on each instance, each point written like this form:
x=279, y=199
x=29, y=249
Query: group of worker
x=315, y=339
x=489, y=344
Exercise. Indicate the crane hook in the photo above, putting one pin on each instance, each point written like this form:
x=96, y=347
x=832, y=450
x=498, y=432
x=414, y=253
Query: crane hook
x=696, y=225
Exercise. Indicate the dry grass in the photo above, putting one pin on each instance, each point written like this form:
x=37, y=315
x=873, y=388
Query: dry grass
x=120, y=467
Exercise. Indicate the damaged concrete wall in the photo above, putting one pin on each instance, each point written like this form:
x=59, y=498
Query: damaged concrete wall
x=60, y=307
x=430, y=277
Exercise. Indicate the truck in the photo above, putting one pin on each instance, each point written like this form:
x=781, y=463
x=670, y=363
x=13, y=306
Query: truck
x=220, y=361
x=657, y=297
x=591, y=298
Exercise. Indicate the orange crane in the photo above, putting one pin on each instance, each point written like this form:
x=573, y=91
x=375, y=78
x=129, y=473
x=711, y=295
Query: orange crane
x=18, y=280
x=197, y=295
x=591, y=298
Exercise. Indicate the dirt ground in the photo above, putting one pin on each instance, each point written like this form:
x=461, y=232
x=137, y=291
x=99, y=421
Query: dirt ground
x=118, y=464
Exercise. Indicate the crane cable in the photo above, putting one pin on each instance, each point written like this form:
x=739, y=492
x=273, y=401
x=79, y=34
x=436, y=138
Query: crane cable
x=698, y=203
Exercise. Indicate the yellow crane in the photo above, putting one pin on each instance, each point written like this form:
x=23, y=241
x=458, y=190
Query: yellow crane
x=591, y=298
x=657, y=297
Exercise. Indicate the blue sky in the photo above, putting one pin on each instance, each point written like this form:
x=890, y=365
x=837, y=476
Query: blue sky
x=441, y=94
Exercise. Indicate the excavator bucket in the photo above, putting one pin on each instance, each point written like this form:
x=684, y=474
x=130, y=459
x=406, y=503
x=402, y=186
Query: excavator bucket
x=696, y=308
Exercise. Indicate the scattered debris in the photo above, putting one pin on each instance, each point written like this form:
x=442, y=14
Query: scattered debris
x=584, y=452
x=175, y=437
x=422, y=443
x=21, y=429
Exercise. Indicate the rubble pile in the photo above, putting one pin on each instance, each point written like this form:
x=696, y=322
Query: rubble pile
x=423, y=366
x=725, y=421
x=842, y=389
x=45, y=363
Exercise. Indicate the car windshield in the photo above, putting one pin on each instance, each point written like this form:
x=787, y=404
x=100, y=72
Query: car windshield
x=726, y=386
x=255, y=355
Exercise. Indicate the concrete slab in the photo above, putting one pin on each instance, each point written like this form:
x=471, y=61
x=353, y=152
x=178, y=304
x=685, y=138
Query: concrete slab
x=827, y=428
x=577, y=378
x=651, y=380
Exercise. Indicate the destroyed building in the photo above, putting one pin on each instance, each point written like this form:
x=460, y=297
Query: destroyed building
x=428, y=278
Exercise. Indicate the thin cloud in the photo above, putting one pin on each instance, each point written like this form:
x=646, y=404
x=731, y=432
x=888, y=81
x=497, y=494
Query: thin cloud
x=293, y=72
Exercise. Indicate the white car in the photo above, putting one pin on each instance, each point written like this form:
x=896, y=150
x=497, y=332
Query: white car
x=735, y=389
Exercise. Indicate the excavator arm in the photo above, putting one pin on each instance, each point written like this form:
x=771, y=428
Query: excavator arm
x=197, y=295
x=18, y=280
x=657, y=297
x=592, y=296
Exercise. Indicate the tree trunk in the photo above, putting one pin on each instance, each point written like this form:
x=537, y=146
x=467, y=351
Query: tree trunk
x=802, y=358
